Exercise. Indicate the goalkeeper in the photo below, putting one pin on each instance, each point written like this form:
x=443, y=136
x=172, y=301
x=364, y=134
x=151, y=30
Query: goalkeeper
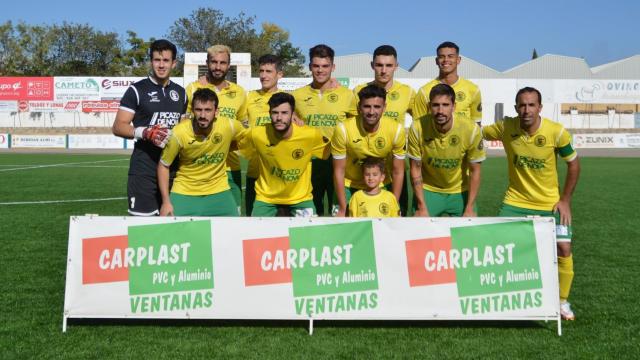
x=148, y=110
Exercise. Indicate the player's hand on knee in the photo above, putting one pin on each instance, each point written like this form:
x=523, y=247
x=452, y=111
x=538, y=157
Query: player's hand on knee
x=166, y=209
x=564, y=208
x=421, y=213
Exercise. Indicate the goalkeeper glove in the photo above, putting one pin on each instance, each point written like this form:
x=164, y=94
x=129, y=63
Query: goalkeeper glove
x=158, y=134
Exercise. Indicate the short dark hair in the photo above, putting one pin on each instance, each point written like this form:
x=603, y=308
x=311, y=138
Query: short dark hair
x=321, y=51
x=270, y=59
x=529, y=89
x=448, y=44
x=162, y=45
x=443, y=89
x=370, y=162
x=205, y=95
x=372, y=91
x=385, y=50
x=280, y=98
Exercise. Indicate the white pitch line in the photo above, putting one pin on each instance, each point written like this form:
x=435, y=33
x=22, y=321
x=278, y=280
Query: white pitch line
x=61, y=164
x=97, y=166
x=59, y=201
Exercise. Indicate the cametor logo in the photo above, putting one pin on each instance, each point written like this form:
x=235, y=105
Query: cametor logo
x=172, y=259
x=332, y=268
x=484, y=262
x=88, y=84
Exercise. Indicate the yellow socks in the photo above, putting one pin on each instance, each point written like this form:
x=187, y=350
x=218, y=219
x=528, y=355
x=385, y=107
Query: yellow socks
x=565, y=275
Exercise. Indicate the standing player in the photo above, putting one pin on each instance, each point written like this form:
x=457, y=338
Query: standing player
x=400, y=97
x=148, y=110
x=367, y=135
x=445, y=154
x=270, y=71
x=468, y=98
x=532, y=144
x=284, y=153
x=323, y=104
x=232, y=103
x=372, y=201
x=201, y=187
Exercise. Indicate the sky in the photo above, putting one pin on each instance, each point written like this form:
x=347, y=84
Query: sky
x=499, y=34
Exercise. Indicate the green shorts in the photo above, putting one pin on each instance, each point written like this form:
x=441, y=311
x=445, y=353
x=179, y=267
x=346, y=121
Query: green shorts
x=563, y=233
x=302, y=209
x=444, y=204
x=235, y=183
x=219, y=204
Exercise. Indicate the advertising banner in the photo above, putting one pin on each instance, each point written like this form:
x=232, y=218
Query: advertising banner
x=318, y=268
x=606, y=141
x=26, y=88
x=4, y=141
x=8, y=106
x=76, y=88
x=112, y=88
x=38, y=141
x=47, y=106
x=95, y=141
x=100, y=106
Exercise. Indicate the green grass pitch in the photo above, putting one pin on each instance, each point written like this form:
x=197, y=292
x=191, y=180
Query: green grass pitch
x=33, y=249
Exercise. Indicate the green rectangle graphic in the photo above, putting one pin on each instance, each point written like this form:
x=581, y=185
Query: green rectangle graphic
x=495, y=258
x=170, y=257
x=331, y=259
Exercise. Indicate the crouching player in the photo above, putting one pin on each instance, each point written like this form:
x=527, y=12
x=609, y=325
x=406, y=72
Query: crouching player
x=201, y=146
x=284, y=151
x=373, y=200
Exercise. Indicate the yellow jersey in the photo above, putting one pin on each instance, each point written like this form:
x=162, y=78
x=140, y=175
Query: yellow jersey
x=257, y=115
x=383, y=204
x=324, y=109
x=351, y=142
x=533, y=176
x=445, y=157
x=202, y=169
x=284, y=164
x=468, y=100
x=400, y=100
x=232, y=105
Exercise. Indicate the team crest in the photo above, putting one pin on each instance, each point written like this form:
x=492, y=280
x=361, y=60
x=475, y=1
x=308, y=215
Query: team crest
x=332, y=97
x=297, y=154
x=460, y=96
x=380, y=142
x=231, y=94
x=384, y=208
x=540, y=140
x=394, y=95
x=454, y=140
x=217, y=138
x=174, y=95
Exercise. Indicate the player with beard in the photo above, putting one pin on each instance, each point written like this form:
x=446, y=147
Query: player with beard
x=284, y=152
x=201, y=147
x=148, y=110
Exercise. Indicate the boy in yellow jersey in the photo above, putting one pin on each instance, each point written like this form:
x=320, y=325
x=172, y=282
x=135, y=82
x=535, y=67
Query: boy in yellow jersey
x=445, y=154
x=532, y=144
x=232, y=103
x=400, y=97
x=369, y=134
x=201, y=145
x=284, y=151
x=323, y=104
x=468, y=98
x=270, y=71
x=373, y=201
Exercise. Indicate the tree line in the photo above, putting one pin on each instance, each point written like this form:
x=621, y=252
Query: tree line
x=71, y=49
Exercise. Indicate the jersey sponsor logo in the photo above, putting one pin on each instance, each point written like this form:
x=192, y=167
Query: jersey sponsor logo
x=322, y=120
x=287, y=175
x=210, y=159
x=527, y=162
x=227, y=112
x=384, y=208
x=174, y=95
x=217, y=138
x=454, y=140
x=297, y=154
x=231, y=94
x=153, y=96
x=394, y=95
x=460, y=96
x=167, y=118
x=438, y=163
x=540, y=140
x=263, y=120
x=392, y=114
x=380, y=143
x=332, y=98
